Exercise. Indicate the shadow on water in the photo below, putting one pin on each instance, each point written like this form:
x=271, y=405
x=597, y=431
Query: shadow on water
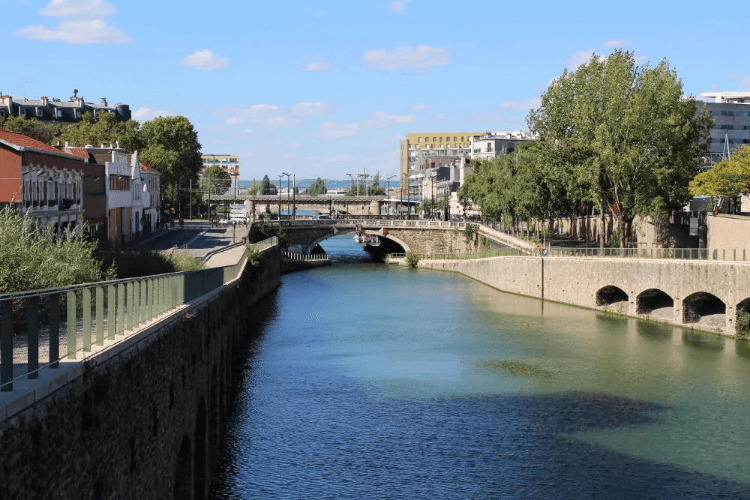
x=654, y=331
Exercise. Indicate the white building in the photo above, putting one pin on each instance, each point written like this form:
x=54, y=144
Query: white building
x=489, y=146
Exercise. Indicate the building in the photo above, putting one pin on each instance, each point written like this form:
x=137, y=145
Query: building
x=492, y=145
x=420, y=145
x=45, y=182
x=731, y=113
x=57, y=110
x=228, y=163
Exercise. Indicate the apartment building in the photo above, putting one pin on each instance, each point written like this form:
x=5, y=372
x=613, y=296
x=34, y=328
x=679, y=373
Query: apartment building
x=416, y=146
x=57, y=110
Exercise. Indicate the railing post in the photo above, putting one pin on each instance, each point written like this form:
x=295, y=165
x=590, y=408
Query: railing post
x=72, y=321
x=32, y=317
x=111, y=311
x=86, y=319
x=99, y=315
x=130, y=309
x=143, y=309
x=6, y=345
x=54, y=330
x=120, y=327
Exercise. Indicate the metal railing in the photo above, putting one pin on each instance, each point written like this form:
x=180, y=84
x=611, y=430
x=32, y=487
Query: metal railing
x=263, y=245
x=36, y=326
x=642, y=253
x=302, y=256
x=482, y=254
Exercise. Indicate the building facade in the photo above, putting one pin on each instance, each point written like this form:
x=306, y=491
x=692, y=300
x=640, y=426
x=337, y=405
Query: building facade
x=731, y=113
x=228, y=163
x=44, y=182
x=489, y=146
x=420, y=145
x=57, y=110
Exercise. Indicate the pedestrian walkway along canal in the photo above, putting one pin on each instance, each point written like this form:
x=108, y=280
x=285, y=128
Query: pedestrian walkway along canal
x=375, y=381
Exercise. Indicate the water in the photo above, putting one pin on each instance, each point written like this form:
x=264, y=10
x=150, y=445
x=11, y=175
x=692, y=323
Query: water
x=375, y=381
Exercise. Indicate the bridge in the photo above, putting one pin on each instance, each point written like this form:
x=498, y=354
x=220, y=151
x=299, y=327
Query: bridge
x=424, y=237
x=356, y=206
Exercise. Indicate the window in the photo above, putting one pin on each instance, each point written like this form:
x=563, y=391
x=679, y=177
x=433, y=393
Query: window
x=727, y=113
x=455, y=138
x=441, y=140
x=462, y=139
x=727, y=127
x=419, y=140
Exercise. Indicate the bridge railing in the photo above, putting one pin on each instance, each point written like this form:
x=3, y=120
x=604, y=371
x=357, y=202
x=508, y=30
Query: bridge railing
x=641, y=253
x=388, y=223
x=41, y=328
x=305, y=257
x=500, y=252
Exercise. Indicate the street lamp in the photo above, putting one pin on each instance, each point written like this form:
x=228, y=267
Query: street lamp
x=288, y=208
x=278, y=191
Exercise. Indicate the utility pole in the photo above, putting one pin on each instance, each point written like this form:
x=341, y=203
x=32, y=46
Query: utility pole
x=294, y=198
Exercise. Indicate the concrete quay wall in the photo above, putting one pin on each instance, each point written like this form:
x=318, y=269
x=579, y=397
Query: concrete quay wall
x=682, y=287
x=142, y=420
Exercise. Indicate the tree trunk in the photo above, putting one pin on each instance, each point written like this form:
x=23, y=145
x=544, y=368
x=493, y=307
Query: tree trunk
x=602, y=229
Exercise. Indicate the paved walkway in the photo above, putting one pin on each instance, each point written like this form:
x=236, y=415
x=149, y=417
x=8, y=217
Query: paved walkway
x=226, y=258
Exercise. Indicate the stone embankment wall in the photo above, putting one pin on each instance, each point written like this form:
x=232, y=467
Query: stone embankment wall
x=290, y=266
x=581, y=281
x=146, y=422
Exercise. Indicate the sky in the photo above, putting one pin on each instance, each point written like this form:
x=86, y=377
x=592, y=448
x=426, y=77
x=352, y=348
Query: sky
x=323, y=88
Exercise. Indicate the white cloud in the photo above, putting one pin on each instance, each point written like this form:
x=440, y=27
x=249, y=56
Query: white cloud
x=398, y=6
x=312, y=108
x=380, y=119
x=282, y=122
x=205, y=60
x=616, y=44
x=94, y=31
x=78, y=9
x=573, y=62
x=419, y=107
x=318, y=64
x=406, y=57
x=146, y=114
x=337, y=130
x=743, y=81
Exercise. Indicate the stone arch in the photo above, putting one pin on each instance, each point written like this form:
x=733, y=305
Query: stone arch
x=704, y=308
x=200, y=461
x=656, y=302
x=183, y=476
x=312, y=245
x=742, y=307
x=610, y=295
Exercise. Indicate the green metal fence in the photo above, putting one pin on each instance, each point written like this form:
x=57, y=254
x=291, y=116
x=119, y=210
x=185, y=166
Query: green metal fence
x=32, y=324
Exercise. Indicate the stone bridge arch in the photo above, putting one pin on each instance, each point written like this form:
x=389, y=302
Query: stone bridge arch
x=655, y=301
x=704, y=308
x=611, y=295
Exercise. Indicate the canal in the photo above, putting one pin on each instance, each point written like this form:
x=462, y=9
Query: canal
x=376, y=381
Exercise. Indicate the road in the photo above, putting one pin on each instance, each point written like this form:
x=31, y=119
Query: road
x=199, y=237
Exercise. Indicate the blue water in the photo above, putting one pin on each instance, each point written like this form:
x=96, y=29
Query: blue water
x=374, y=381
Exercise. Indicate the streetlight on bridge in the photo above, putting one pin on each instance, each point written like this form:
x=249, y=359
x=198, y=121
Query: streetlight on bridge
x=288, y=208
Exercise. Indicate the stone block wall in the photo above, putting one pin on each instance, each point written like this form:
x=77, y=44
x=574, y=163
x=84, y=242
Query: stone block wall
x=147, y=422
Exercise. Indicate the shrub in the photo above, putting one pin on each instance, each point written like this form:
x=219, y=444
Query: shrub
x=185, y=261
x=412, y=259
x=469, y=231
x=743, y=325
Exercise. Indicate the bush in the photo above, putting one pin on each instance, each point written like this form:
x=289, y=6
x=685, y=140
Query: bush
x=34, y=260
x=412, y=259
x=743, y=325
x=185, y=261
x=469, y=231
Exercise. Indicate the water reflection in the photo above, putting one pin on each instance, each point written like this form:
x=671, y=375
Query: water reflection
x=372, y=381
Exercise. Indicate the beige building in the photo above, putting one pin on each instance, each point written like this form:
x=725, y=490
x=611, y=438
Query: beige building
x=439, y=143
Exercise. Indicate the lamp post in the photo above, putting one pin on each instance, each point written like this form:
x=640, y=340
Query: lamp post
x=288, y=208
x=278, y=190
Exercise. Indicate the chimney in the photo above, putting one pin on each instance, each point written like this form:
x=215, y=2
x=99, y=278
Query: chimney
x=117, y=144
x=79, y=101
x=104, y=101
x=44, y=100
x=67, y=144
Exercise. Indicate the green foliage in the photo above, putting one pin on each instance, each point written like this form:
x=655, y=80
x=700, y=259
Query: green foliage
x=143, y=262
x=728, y=178
x=268, y=229
x=469, y=231
x=743, y=325
x=39, y=130
x=412, y=259
x=106, y=130
x=610, y=134
x=216, y=180
x=318, y=187
x=266, y=186
x=34, y=260
x=185, y=261
x=253, y=256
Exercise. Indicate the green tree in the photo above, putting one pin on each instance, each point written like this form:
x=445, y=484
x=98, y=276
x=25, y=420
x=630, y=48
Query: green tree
x=267, y=187
x=34, y=260
x=106, y=130
x=39, y=130
x=728, y=178
x=318, y=187
x=216, y=180
x=171, y=146
x=620, y=135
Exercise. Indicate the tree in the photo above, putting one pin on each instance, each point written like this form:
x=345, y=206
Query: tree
x=34, y=260
x=729, y=178
x=39, y=130
x=106, y=130
x=318, y=187
x=171, y=146
x=267, y=187
x=216, y=180
x=621, y=136
x=375, y=189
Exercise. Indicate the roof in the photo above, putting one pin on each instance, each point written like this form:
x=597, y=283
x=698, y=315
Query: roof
x=146, y=167
x=79, y=152
x=21, y=142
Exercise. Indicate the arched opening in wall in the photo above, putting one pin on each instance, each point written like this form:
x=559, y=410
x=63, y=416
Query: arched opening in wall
x=704, y=309
x=183, y=470
x=742, y=321
x=611, y=296
x=199, y=475
x=655, y=303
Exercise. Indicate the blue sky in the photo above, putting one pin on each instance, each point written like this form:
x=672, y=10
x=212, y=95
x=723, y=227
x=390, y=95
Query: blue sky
x=323, y=88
